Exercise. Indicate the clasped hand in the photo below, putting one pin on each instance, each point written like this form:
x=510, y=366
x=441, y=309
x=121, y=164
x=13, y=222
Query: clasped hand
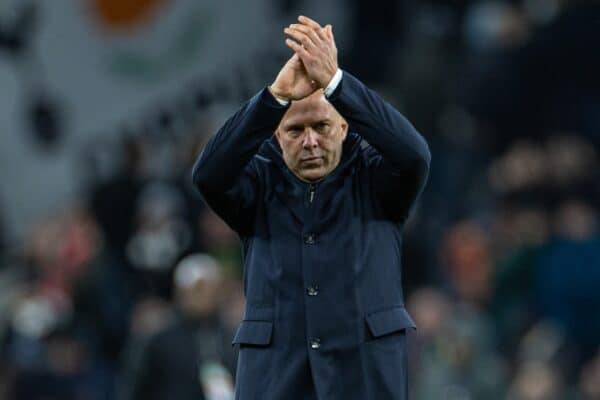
x=313, y=64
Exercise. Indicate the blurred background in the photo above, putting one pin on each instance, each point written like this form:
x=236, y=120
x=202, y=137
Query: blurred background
x=117, y=283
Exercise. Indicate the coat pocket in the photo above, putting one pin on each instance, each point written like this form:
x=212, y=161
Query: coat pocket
x=390, y=320
x=257, y=333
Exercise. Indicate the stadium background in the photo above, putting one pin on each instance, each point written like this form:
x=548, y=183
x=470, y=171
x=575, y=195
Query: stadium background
x=104, y=104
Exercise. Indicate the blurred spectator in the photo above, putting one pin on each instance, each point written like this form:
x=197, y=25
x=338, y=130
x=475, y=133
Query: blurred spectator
x=220, y=241
x=453, y=355
x=102, y=294
x=68, y=371
x=537, y=373
x=519, y=233
x=466, y=256
x=113, y=200
x=567, y=278
x=76, y=305
x=160, y=236
x=191, y=358
x=492, y=25
x=589, y=382
x=536, y=381
x=564, y=163
x=149, y=316
x=547, y=84
x=49, y=359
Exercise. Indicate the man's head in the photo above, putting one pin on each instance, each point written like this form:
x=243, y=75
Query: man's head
x=198, y=285
x=311, y=134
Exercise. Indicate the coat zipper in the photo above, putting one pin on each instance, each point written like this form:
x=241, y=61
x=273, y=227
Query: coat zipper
x=311, y=193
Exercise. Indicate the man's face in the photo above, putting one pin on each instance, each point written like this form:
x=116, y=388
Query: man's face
x=311, y=134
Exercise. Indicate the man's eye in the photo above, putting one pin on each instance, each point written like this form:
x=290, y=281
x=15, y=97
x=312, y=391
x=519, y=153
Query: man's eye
x=322, y=126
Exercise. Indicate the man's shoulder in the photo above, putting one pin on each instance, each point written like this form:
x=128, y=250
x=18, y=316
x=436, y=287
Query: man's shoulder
x=266, y=153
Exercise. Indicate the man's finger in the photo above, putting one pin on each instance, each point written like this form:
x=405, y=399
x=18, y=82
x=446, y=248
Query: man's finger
x=322, y=33
x=307, y=21
x=299, y=50
x=311, y=33
x=306, y=29
x=300, y=37
x=329, y=31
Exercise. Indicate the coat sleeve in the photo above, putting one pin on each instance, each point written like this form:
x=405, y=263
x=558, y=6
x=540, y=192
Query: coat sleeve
x=223, y=173
x=398, y=156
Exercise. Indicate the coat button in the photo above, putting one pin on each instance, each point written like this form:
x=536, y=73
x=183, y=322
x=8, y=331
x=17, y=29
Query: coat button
x=312, y=290
x=309, y=239
x=315, y=343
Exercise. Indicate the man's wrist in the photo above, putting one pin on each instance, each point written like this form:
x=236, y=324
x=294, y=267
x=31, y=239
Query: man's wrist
x=333, y=83
x=281, y=100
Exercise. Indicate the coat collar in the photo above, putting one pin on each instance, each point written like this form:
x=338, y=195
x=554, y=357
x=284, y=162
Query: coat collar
x=290, y=190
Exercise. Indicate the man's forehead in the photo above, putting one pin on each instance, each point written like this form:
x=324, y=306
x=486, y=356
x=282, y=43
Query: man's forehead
x=313, y=107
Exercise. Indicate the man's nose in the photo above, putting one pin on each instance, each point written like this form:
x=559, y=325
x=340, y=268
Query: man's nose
x=310, y=139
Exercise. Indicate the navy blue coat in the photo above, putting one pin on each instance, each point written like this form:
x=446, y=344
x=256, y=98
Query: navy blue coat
x=325, y=314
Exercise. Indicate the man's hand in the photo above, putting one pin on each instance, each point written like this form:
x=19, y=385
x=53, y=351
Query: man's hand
x=292, y=82
x=316, y=48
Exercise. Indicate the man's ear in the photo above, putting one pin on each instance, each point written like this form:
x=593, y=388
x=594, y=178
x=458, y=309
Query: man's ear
x=344, y=125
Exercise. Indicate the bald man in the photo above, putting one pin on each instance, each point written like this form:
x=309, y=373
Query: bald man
x=320, y=217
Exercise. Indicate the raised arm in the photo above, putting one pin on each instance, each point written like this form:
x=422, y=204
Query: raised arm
x=227, y=153
x=222, y=173
x=399, y=158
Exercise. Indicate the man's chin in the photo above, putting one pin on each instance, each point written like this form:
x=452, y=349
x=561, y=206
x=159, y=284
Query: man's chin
x=312, y=174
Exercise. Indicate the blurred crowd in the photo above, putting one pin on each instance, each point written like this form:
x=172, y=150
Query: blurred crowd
x=133, y=290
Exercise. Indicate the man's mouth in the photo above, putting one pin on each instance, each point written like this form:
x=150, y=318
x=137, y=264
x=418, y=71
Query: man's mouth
x=307, y=159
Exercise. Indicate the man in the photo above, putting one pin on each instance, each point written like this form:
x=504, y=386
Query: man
x=320, y=218
x=189, y=360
